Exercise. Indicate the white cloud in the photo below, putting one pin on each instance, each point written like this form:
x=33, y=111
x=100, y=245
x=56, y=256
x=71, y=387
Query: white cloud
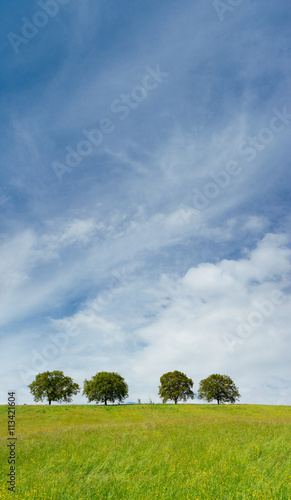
x=194, y=327
x=119, y=251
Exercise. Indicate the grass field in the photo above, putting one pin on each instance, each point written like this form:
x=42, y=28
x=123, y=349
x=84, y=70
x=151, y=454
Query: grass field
x=140, y=452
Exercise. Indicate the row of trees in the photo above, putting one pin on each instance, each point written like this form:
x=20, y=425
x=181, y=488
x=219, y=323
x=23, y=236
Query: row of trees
x=110, y=387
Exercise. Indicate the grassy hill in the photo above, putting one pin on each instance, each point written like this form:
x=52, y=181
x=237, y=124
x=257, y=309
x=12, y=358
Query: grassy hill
x=140, y=452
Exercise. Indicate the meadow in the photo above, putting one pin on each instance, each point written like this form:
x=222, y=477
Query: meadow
x=140, y=452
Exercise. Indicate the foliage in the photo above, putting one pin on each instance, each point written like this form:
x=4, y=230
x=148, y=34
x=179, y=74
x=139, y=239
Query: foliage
x=53, y=386
x=175, y=386
x=218, y=388
x=104, y=387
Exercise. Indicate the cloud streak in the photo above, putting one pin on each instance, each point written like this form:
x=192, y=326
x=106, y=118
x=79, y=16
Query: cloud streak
x=167, y=245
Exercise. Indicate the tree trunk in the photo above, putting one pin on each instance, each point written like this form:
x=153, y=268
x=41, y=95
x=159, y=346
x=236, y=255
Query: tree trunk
x=218, y=401
x=105, y=402
x=50, y=401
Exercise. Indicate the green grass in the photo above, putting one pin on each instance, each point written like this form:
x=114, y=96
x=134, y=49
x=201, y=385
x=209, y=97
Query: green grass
x=140, y=452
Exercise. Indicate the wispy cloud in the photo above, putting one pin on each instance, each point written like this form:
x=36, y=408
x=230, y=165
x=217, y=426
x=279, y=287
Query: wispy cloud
x=174, y=230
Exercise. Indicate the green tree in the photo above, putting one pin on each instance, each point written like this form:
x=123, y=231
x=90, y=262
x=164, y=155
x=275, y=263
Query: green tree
x=53, y=386
x=218, y=388
x=175, y=386
x=104, y=387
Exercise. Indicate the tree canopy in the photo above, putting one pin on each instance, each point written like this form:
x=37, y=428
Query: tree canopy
x=218, y=388
x=175, y=386
x=104, y=387
x=53, y=386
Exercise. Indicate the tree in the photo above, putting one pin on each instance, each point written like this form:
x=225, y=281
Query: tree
x=218, y=388
x=175, y=386
x=53, y=386
x=104, y=387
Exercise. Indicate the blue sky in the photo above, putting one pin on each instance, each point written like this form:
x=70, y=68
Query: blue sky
x=145, y=194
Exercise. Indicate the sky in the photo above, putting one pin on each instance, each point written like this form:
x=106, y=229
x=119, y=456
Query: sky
x=145, y=193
